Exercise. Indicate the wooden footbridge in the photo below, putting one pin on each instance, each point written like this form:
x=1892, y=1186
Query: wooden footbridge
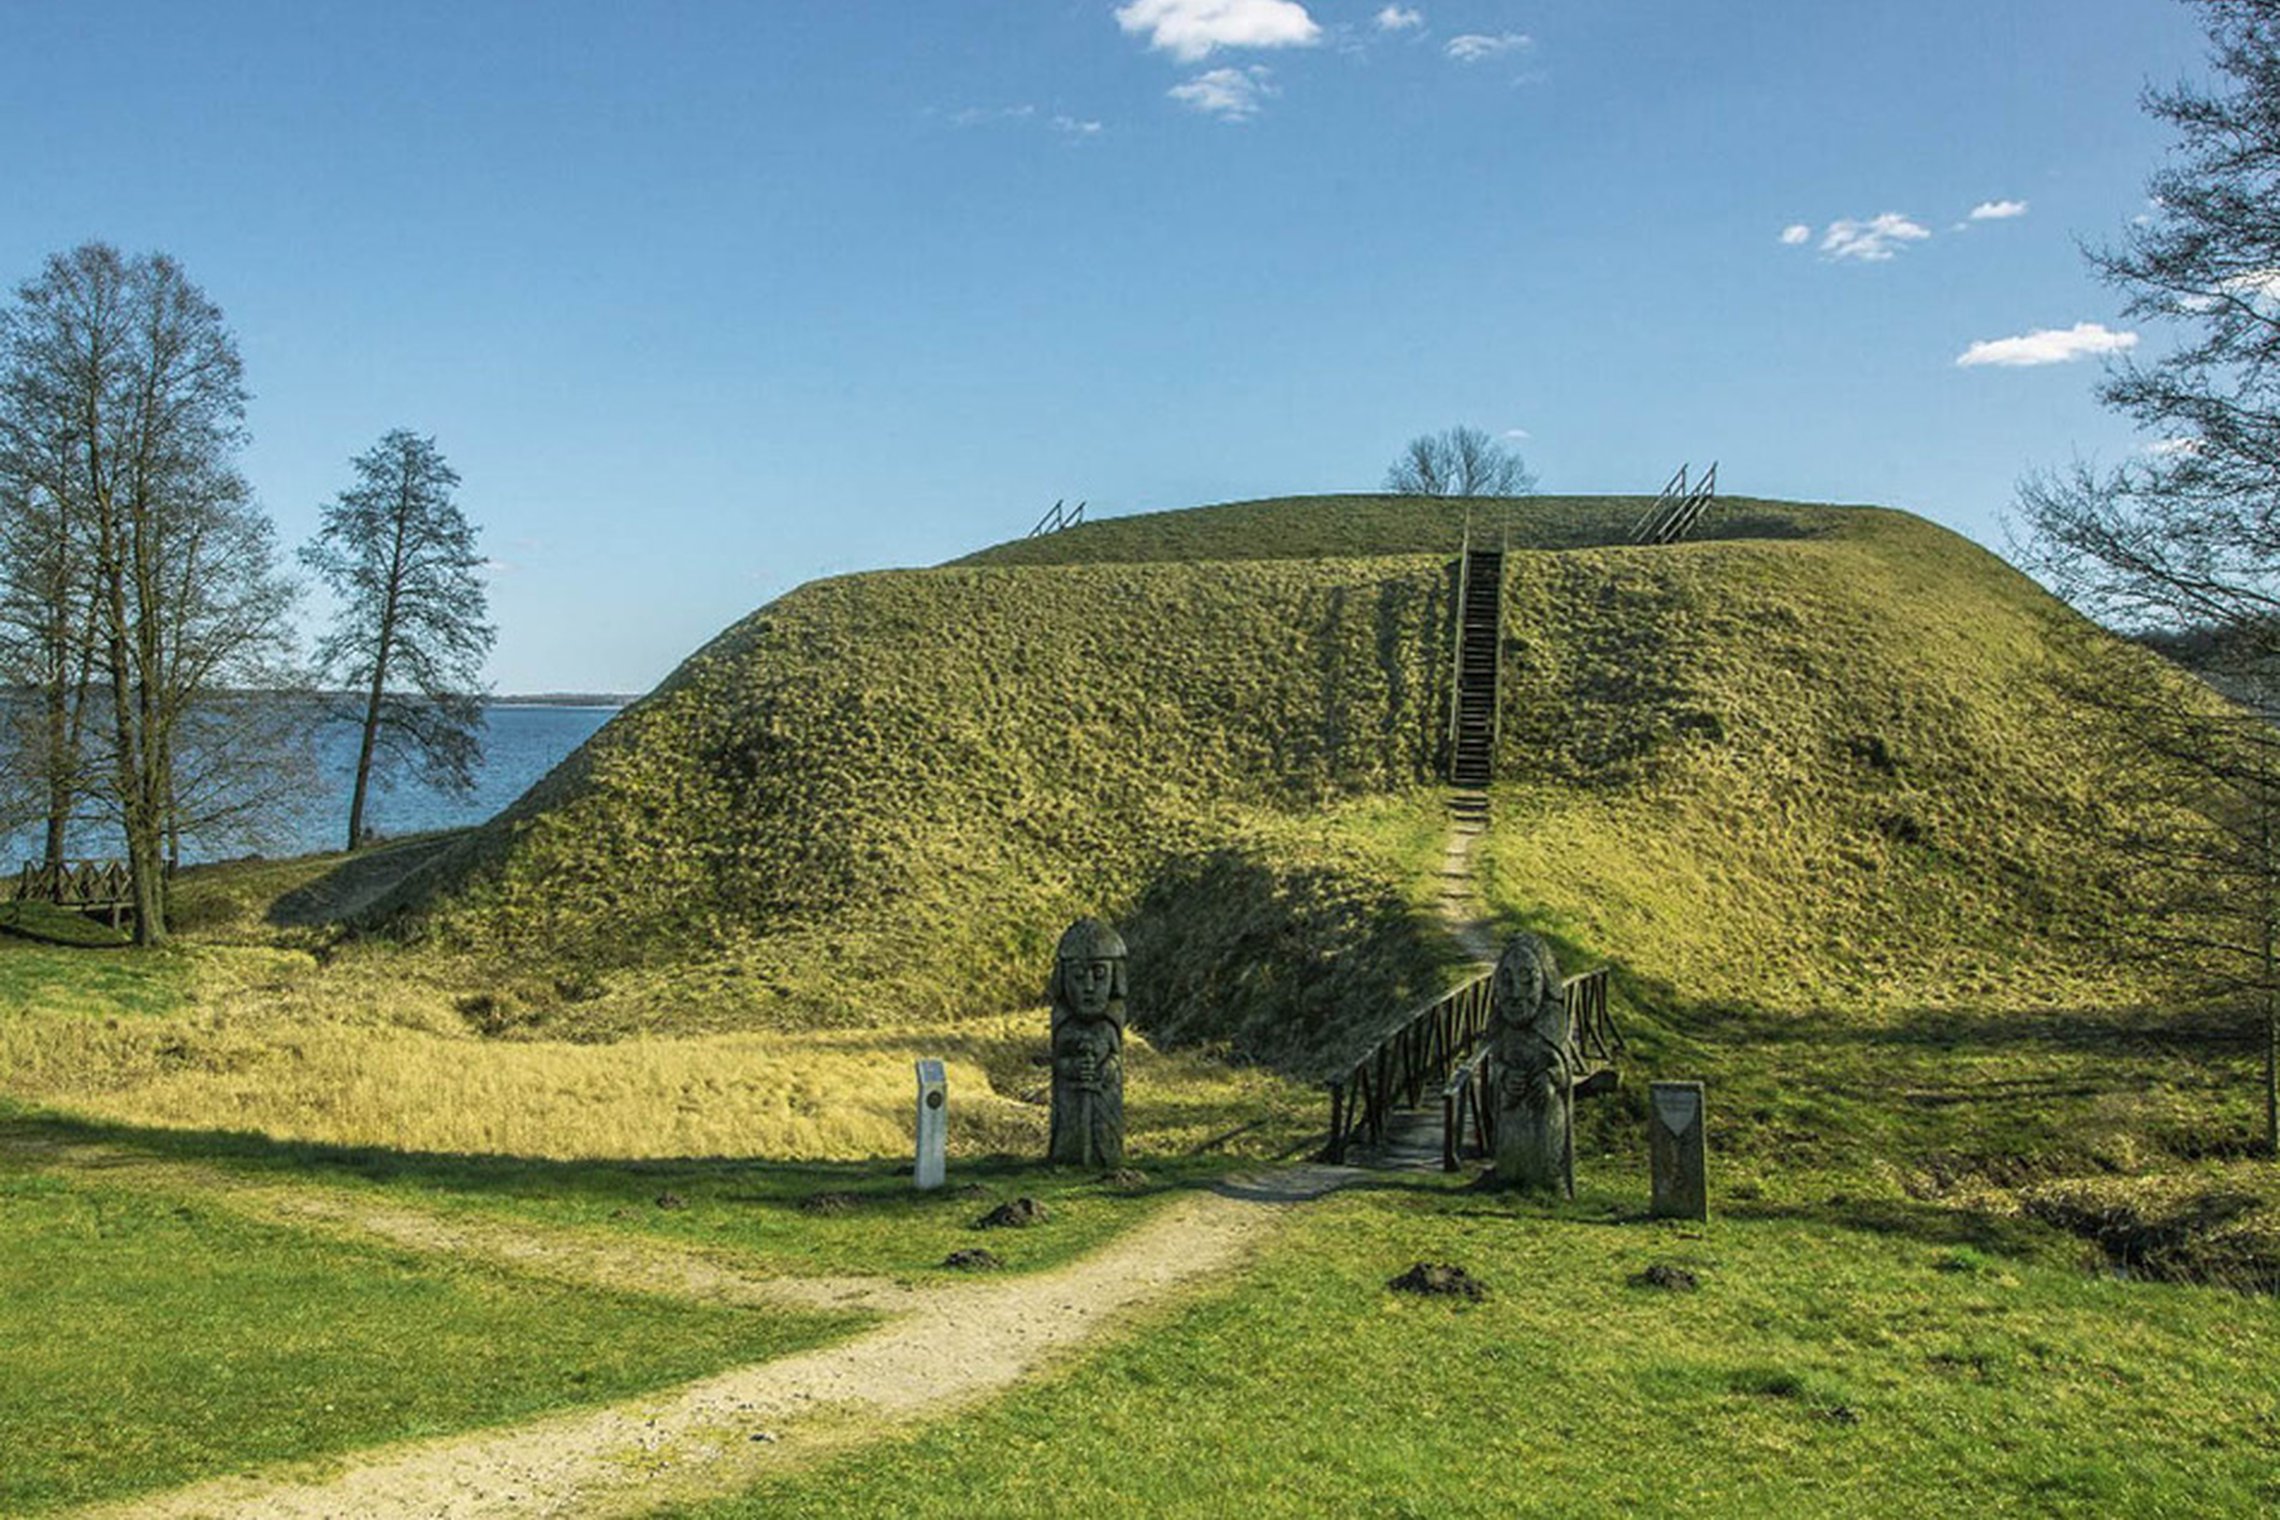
x=1437, y=1070
x=80, y=886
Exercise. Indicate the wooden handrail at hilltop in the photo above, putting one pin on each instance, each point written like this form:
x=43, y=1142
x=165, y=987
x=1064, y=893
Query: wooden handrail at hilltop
x=1395, y=1072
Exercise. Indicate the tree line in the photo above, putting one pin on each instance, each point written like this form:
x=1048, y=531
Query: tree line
x=147, y=624
x=2179, y=545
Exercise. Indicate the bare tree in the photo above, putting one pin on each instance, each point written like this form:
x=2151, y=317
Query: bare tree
x=124, y=408
x=46, y=649
x=2181, y=544
x=1461, y=461
x=410, y=634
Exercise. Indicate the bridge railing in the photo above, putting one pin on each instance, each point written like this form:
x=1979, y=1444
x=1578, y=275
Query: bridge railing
x=1468, y=1105
x=1396, y=1072
x=76, y=883
x=83, y=886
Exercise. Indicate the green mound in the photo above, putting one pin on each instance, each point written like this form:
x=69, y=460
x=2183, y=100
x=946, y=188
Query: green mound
x=1819, y=757
x=58, y=926
x=1348, y=527
x=887, y=794
x=1831, y=773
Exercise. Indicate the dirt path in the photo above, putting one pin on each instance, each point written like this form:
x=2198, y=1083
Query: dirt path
x=1458, y=901
x=947, y=1347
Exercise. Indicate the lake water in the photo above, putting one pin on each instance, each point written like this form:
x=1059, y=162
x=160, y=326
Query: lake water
x=520, y=744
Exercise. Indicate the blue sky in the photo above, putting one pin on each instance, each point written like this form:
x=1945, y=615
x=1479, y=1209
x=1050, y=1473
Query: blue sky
x=705, y=300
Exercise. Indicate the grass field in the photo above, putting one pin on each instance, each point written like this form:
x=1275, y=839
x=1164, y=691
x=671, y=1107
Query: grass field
x=372, y=1049
x=765, y=1218
x=1832, y=1361
x=151, y=1340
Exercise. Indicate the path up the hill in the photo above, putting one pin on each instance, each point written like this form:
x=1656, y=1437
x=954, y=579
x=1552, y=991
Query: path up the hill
x=1472, y=750
x=1413, y=1135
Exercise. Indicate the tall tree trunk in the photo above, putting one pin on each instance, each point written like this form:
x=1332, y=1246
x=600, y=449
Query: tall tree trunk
x=140, y=818
x=60, y=796
x=66, y=780
x=364, y=750
x=2271, y=992
x=380, y=652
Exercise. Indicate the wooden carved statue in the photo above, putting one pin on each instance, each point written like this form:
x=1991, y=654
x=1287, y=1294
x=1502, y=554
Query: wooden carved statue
x=1088, y=1047
x=1536, y=1069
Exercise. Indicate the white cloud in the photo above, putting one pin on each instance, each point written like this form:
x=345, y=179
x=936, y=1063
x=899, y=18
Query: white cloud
x=1872, y=241
x=1476, y=47
x=1796, y=234
x=1025, y=115
x=1229, y=94
x=1998, y=211
x=2049, y=345
x=2165, y=448
x=974, y=116
x=1518, y=433
x=1398, y=18
x=1193, y=29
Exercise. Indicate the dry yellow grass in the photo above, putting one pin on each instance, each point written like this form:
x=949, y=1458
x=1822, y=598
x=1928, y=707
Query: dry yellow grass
x=364, y=1053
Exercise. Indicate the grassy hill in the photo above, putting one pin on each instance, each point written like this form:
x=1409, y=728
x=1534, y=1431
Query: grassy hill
x=894, y=790
x=1810, y=784
x=1812, y=755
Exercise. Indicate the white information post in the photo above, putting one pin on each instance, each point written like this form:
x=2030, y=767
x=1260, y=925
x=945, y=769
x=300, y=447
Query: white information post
x=933, y=1124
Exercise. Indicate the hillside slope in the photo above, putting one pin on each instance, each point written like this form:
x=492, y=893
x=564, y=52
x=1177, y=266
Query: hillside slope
x=1837, y=771
x=1814, y=754
x=892, y=791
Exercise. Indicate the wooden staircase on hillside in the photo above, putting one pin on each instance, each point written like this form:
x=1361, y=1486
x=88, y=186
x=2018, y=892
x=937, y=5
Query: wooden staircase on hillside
x=1473, y=715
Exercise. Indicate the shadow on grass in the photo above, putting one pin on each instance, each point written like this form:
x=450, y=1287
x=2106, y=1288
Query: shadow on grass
x=1924, y=1223
x=2136, y=1031
x=780, y=1184
x=358, y=882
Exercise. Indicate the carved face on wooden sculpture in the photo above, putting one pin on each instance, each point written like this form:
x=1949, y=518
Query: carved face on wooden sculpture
x=1088, y=973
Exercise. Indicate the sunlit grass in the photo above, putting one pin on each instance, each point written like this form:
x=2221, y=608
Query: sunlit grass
x=813, y=1095
x=151, y=1340
x=1822, y=1367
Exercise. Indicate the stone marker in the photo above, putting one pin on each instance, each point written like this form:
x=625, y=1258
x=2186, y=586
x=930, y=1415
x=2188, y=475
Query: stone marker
x=1536, y=1066
x=1680, y=1152
x=933, y=1123
x=1088, y=1047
